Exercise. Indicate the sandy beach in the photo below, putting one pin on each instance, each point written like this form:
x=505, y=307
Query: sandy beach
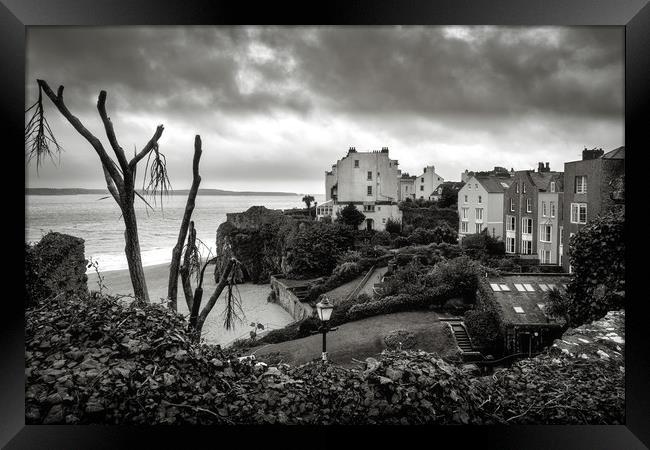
x=253, y=300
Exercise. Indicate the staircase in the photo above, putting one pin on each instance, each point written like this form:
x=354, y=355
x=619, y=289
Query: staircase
x=300, y=292
x=462, y=338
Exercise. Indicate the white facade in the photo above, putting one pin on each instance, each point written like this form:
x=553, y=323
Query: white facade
x=426, y=183
x=480, y=207
x=406, y=188
x=368, y=180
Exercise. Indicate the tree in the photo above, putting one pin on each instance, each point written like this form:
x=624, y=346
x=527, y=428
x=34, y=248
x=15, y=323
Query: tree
x=449, y=197
x=393, y=226
x=120, y=176
x=308, y=199
x=597, y=256
x=351, y=216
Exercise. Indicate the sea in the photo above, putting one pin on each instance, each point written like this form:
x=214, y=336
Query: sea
x=98, y=221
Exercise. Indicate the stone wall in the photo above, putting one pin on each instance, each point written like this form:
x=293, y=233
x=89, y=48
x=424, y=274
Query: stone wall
x=288, y=300
x=56, y=264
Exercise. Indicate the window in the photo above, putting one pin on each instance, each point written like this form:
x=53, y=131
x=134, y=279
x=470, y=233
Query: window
x=561, y=235
x=544, y=212
x=526, y=247
x=383, y=220
x=517, y=188
x=478, y=227
x=545, y=232
x=511, y=223
x=512, y=205
x=368, y=208
x=475, y=186
x=465, y=210
x=463, y=227
x=422, y=179
x=552, y=209
x=369, y=175
x=529, y=205
x=480, y=199
x=378, y=208
x=546, y=256
x=527, y=225
x=369, y=190
x=523, y=187
x=578, y=213
x=421, y=187
x=518, y=309
x=356, y=163
x=510, y=245
x=469, y=186
x=479, y=214
x=465, y=199
x=552, y=186
x=581, y=184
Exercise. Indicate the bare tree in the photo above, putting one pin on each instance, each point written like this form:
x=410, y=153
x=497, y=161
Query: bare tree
x=120, y=177
x=194, y=265
x=172, y=288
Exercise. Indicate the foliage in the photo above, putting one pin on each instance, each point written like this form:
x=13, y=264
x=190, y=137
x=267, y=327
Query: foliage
x=98, y=361
x=393, y=226
x=415, y=215
x=449, y=197
x=484, y=323
x=313, y=251
x=481, y=246
x=597, y=255
x=351, y=216
x=381, y=238
x=558, y=304
x=400, y=241
x=438, y=234
x=308, y=199
x=460, y=277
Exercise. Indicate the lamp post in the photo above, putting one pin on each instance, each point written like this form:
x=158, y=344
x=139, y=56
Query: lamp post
x=324, y=309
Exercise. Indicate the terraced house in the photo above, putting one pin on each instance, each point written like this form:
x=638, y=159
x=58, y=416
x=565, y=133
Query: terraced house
x=480, y=205
x=532, y=215
x=593, y=185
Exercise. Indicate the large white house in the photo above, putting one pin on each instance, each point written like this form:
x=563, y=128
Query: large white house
x=427, y=182
x=369, y=181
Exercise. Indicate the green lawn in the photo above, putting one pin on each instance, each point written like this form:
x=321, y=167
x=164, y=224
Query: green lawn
x=364, y=338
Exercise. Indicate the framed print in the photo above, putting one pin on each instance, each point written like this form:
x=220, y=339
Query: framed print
x=388, y=217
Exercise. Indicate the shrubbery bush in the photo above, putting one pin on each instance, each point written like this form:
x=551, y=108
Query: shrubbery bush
x=393, y=226
x=381, y=238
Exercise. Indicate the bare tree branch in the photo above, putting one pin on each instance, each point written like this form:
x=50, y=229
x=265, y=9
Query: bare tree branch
x=110, y=132
x=223, y=282
x=111, y=186
x=147, y=148
x=106, y=160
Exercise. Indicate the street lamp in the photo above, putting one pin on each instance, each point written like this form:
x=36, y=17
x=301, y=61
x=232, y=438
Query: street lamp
x=324, y=309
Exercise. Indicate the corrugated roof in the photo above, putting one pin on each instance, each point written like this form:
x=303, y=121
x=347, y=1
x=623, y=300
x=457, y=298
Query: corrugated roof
x=494, y=184
x=526, y=291
x=617, y=153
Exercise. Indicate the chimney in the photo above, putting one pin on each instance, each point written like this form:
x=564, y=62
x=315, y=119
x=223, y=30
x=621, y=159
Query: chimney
x=548, y=169
x=540, y=167
x=592, y=154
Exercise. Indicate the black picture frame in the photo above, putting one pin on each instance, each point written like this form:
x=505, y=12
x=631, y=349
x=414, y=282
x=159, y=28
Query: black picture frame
x=16, y=15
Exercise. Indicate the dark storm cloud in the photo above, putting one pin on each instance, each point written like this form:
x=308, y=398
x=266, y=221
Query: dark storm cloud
x=303, y=94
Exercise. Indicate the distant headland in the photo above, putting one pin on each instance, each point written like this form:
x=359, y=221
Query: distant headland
x=78, y=191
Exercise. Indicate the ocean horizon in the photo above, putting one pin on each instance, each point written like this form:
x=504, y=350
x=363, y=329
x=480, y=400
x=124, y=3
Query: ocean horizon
x=98, y=222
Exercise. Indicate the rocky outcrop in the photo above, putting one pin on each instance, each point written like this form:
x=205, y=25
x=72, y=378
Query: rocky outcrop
x=56, y=264
x=257, y=238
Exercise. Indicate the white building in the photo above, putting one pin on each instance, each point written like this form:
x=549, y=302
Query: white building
x=426, y=183
x=480, y=206
x=368, y=180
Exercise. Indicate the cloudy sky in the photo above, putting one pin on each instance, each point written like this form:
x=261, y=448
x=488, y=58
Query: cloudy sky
x=277, y=106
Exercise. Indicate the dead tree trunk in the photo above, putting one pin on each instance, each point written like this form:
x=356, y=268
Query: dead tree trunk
x=172, y=289
x=120, y=177
x=197, y=320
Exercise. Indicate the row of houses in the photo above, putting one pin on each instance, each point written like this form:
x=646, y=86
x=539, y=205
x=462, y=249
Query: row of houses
x=535, y=212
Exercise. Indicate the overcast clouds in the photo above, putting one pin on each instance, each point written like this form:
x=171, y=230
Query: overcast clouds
x=277, y=106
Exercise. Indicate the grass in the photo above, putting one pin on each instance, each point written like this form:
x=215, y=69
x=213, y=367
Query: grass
x=364, y=338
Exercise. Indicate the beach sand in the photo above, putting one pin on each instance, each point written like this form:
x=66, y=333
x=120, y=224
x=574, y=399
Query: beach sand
x=253, y=301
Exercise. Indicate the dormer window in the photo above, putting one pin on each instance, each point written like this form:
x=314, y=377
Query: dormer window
x=552, y=186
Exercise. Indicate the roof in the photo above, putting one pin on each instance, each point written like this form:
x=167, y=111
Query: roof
x=494, y=184
x=617, y=153
x=542, y=180
x=526, y=292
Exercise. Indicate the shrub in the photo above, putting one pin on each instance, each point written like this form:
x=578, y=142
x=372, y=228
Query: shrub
x=400, y=241
x=313, y=250
x=427, y=217
x=597, y=255
x=484, y=324
x=381, y=238
x=481, y=246
x=460, y=276
x=400, y=340
x=347, y=270
x=421, y=236
x=351, y=216
x=393, y=226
